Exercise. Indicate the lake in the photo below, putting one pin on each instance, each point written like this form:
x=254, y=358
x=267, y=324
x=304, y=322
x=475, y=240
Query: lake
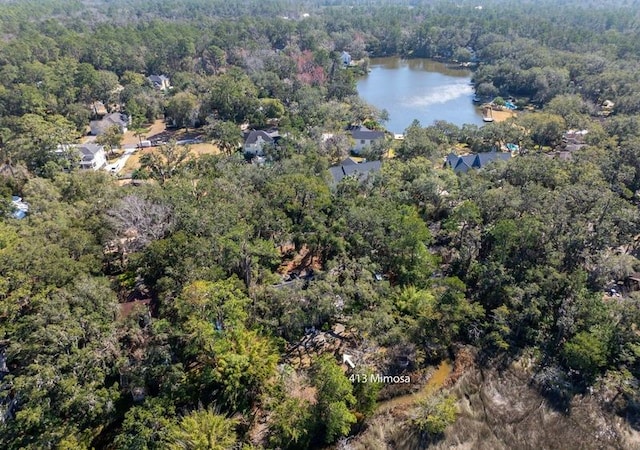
x=419, y=89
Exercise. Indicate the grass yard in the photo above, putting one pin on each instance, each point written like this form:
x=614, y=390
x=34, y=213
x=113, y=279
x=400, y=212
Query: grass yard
x=133, y=163
x=501, y=116
x=156, y=128
x=197, y=150
x=204, y=148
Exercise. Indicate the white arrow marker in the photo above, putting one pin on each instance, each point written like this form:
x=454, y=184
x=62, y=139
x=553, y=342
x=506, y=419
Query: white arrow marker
x=347, y=359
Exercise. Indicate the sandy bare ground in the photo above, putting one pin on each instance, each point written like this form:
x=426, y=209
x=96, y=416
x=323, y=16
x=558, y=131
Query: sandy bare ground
x=501, y=116
x=158, y=131
x=157, y=127
x=204, y=148
x=133, y=163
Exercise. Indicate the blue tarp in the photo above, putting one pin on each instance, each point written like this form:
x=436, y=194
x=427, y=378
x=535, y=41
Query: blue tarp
x=512, y=147
x=20, y=208
x=19, y=214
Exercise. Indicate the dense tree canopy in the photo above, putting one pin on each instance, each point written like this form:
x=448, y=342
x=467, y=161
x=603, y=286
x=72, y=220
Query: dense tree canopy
x=167, y=314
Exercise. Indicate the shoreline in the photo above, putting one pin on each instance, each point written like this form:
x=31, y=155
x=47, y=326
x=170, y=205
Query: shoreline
x=501, y=116
x=418, y=90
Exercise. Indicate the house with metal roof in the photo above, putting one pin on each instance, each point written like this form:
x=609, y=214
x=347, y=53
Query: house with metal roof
x=464, y=163
x=346, y=58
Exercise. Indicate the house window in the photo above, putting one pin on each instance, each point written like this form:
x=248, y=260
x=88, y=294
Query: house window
x=362, y=141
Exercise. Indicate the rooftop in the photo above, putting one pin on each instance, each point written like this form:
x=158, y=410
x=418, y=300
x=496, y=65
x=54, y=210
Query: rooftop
x=462, y=164
x=266, y=135
x=89, y=150
x=362, y=132
x=350, y=167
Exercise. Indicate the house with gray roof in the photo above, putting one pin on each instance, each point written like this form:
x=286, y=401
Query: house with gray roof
x=462, y=164
x=89, y=156
x=257, y=140
x=92, y=156
x=122, y=121
x=351, y=168
x=363, y=137
x=160, y=82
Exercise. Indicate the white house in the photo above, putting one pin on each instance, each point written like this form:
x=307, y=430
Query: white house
x=346, y=58
x=257, y=140
x=363, y=137
x=160, y=82
x=92, y=156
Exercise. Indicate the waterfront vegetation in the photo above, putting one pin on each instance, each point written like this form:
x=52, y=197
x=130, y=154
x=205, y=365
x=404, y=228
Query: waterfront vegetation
x=156, y=315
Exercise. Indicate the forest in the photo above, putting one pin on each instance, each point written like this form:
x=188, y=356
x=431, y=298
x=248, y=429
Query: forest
x=168, y=310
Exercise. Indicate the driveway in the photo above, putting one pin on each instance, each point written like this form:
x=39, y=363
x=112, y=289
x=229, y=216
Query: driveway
x=117, y=166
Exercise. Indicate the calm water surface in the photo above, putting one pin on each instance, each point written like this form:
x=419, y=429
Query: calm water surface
x=419, y=89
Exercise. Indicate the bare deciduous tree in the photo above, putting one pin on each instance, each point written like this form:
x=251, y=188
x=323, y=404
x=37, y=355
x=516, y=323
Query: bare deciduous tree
x=137, y=222
x=337, y=147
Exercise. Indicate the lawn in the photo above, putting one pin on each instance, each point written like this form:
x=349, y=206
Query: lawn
x=133, y=163
x=156, y=128
x=501, y=116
